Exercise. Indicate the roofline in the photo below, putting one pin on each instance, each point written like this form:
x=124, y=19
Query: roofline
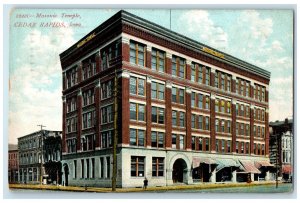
x=130, y=18
x=36, y=132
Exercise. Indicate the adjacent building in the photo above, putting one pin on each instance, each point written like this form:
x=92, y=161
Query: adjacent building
x=13, y=163
x=39, y=153
x=185, y=112
x=281, y=148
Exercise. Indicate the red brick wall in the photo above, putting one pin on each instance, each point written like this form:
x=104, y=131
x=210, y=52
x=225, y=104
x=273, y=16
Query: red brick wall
x=125, y=51
x=188, y=121
x=97, y=103
x=168, y=117
x=233, y=126
x=267, y=133
x=251, y=130
x=188, y=71
x=79, y=122
x=148, y=59
x=168, y=65
x=125, y=110
x=148, y=114
x=64, y=149
x=212, y=126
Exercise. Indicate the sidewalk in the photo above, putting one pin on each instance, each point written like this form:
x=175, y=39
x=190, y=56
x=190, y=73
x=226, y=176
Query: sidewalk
x=124, y=190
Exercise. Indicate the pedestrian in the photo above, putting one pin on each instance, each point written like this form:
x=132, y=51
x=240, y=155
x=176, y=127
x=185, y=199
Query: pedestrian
x=145, y=184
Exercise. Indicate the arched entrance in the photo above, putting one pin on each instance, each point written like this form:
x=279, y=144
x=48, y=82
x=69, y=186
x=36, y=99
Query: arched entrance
x=66, y=172
x=179, y=171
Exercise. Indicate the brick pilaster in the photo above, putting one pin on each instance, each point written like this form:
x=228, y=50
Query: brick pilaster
x=98, y=62
x=168, y=115
x=233, y=81
x=233, y=123
x=212, y=124
x=267, y=135
x=97, y=104
x=188, y=118
x=125, y=49
x=188, y=70
x=64, y=149
x=212, y=77
x=148, y=112
x=168, y=63
x=125, y=107
x=251, y=129
x=80, y=72
x=252, y=90
x=79, y=116
x=148, y=57
x=267, y=94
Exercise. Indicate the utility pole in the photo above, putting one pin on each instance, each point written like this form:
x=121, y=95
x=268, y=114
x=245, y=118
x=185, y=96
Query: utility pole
x=42, y=145
x=114, y=176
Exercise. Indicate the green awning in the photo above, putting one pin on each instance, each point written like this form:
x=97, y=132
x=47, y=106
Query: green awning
x=223, y=163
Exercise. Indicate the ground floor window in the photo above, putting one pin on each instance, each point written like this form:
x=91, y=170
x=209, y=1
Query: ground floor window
x=137, y=166
x=157, y=166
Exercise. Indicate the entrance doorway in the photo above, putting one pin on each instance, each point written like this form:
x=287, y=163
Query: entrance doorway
x=179, y=171
x=66, y=172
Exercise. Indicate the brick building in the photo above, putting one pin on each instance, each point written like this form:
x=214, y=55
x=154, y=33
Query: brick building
x=34, y=153
x=13, y=163
x=186, y=113
x=281, y=148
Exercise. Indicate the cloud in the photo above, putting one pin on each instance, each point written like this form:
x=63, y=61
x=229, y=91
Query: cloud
x=197, y=22
x=35, y=84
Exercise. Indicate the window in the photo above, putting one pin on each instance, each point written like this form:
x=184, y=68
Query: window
x=157, y=91
x=174, y=94
x=247, y=147
x=228, y=146
x=106, y=89
x=228, y=107
x=137, y=137
x=193, y=99
x=242, y=147
x=217, y=79
x=137, y=112
x=137, y=53
x=247, y=89
x=242, y=128
x=158, y=60
x=193, y=143
x=174, y=118
x=222, y=106
x=89, y=119
x=181, y=142
x=228, y=83
x=263, y=90
x=106, y=114
x=174, y=141
x=72, y=77
x=200, y=145
x=200, y=101
x=193, y=121
x=222, y=126
x=262, y=149
x=242, y=110
x=157, y=166
x=206, y=123
x=88, y=97
x=108, y=167
x=217, y=145
x=178, y=66
x=247, y=130
x=137, y=166
x=200, y=122
x=82, y=168
x=158, y=115
x=200, y=74
x=217, y=125
x=207, y=76
x=237, y=147
x=181, y=96
x=206, y=144
x=181, y=119
x=137, y=86
x=111, y=51
x=222, y=82
x=193, y=72
x=216, y=105
x=106, y=139
x=75, y=169
x=254, y=131
x=157, y=139
x=207, y=102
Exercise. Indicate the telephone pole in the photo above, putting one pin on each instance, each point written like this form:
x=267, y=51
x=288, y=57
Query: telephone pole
x=42, y=145
x=115, y=142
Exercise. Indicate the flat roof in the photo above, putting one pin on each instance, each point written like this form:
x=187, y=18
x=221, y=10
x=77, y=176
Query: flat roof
x=129, y=18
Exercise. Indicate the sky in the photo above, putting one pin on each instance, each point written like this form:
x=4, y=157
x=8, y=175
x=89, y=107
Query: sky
x=261, y=37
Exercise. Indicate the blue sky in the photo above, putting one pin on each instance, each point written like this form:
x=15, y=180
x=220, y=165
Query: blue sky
x=261, y=37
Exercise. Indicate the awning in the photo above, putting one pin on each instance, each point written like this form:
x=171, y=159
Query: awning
x=259, y=164
x=287, y=169
x=198, y=160
x=223, y=163
x=249, y=167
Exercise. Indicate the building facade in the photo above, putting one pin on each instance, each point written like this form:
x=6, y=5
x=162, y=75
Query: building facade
x=13, y=163
x=36, y=150
x=185, y=112
x=281, y=148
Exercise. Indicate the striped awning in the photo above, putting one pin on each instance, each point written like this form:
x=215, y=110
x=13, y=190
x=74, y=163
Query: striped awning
x=248, y=166
x=259, y=164
x=286, y=169
x=223, y=163
x=198, y=160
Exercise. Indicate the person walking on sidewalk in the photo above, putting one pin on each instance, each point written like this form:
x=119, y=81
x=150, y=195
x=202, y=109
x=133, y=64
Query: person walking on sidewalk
x=145, y=184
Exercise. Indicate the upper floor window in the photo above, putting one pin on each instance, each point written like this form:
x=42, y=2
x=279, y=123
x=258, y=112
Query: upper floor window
x=137, y=112
x=137, y=86
x=106, y=89
x=88, y=97
x=177, y=95
x=178, y=66
x=71, y=104
x=158, y=115
x=72, y=77
x=89, y=67
x=110, y=52
x=137, y=53
x=89, y=119
x=106, y=114
x=137, y=137
x=157, y=91
x=158, y=60
x=157, y=139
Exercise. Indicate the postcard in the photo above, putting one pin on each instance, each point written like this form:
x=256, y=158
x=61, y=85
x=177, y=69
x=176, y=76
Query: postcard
x=151, y=100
